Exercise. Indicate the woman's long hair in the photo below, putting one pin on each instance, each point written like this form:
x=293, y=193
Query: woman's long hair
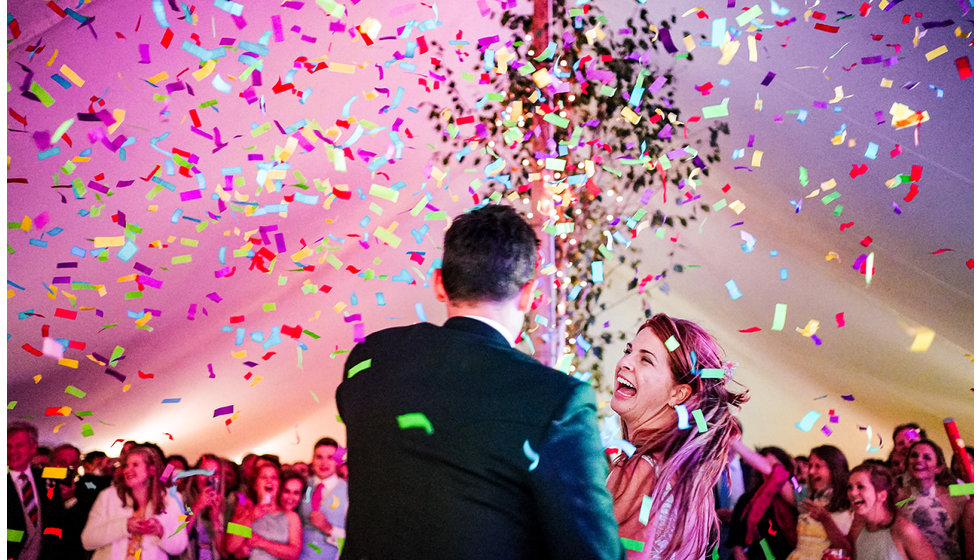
x=837, y=464
x=155, y=492
x=192, y=492
x=693, y=460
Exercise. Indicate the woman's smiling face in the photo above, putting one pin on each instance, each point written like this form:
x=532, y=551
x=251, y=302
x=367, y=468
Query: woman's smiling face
x=644, y=382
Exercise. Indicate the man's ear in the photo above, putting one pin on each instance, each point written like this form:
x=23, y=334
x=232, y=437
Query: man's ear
x=680, y=393
x=438, y=287
x=527, y=296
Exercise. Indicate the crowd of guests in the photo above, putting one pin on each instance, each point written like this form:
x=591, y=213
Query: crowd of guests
x=899, y=509
x=145, y=505
x=462, y=447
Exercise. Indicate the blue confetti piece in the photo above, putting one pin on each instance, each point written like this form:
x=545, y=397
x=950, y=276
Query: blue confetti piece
x=733, y=289
x=806, y=424
x=531, y=455
x=420, y=312
x=683, y=421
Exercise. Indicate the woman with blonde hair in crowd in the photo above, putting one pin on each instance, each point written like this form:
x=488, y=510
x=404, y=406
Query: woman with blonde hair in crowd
x=878, y=532
x=135, y=517
x=671, y=396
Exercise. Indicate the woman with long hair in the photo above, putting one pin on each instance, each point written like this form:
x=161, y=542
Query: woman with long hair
x=671, y=373
x=206, y=521
x=946, y=521
x=275, y=532
x=878, y=532
x=824, y=517
x=135, y=517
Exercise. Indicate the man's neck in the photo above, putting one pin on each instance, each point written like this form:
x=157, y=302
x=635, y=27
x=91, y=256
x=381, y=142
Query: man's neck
x=506, y=313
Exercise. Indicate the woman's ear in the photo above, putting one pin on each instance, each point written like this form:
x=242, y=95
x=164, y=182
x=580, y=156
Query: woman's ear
x=680, y=393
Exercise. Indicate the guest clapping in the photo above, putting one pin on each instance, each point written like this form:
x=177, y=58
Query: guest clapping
x=824, y=518
x=675, y=464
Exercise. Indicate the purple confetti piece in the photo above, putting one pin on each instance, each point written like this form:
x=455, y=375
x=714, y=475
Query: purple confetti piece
x=221, y=411
x=826, y=431
x=847, y=397
x=768, y=79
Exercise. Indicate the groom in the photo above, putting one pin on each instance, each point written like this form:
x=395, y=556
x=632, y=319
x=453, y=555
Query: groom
x=460, y=446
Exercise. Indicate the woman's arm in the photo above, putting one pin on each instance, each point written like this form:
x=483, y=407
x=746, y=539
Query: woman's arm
x=750, y=456
x=910, y=541
x=107, y=521
x=287, y=550
x=237, y=545
x=837, y=536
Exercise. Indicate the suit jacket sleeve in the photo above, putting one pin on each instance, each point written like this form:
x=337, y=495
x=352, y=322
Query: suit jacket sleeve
x=572, y=501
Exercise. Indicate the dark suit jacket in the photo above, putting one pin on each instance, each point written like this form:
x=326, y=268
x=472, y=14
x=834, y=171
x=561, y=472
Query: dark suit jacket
x=512, y=468
x=52, y=510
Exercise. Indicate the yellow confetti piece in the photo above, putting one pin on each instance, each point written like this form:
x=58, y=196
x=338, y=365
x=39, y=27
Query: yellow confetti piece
x=55, y=472
x=886, y=83
x=119, y=115
x=71, y=75
x=728, y=51
x=923, y=339
x=936, y=52
x=753, y=51
x=630, y=115
x=757, y=158
x=810, y=329
x=158, y=78
x=205, y=70
x=542, y=77
x=103, y=242
x=144, y=319
x=55, y=55
x=903, y=117
x=68, y=363
x=341, y=68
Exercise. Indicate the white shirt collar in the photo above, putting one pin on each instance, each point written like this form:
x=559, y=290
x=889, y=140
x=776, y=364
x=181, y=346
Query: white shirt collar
x=497, y=327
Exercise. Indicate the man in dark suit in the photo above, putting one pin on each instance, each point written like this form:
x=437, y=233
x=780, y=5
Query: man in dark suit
x=34, y=506
x=460, y=446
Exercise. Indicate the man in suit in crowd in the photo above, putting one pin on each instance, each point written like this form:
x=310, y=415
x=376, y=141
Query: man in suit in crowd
x=460, y=446
x=34, y=506
x=324, y=514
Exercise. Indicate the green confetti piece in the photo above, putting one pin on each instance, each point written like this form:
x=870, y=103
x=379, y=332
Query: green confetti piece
x=712, y=373
x=748, y=15
x=715, y=111
x=87, y=430
x=180, y=259
x=42, y=95
x=240, y=530
x=645, y=506
x=415, y=420
x=804, y=177
x=905, y=501
x=357, y=368
x=830, y=197
x=269, y=306
x=766, y=550
x=117, y=353
x=630, y=544
x=779, y=317
x=13, y=535
x=699, y=420
x=133, y=295
x=671, y=344
x=75, y=391
x=314, y=547
x=965, y=489
x=440, y=215
x=84, y=413
x=11, y=405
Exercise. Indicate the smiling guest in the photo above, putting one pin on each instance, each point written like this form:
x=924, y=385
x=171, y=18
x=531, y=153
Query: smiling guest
x=824, y=518
x=324, y=515
x=946, y=521
x=878, y=532
x=135, y=517
x=671, y=367
x=275, y=532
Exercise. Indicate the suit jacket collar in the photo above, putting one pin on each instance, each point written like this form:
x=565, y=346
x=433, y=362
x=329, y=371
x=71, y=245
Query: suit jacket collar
x=478, y=328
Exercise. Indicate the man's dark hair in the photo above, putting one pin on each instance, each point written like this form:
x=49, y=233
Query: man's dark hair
x=490, y=253
x=93, y=455
x=326, y=441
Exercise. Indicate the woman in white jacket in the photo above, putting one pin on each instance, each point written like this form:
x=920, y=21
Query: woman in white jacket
x=135, y=518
